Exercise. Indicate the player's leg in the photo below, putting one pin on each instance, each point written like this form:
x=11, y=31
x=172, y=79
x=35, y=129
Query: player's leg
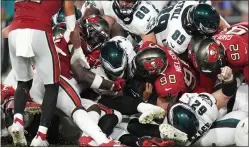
x=47, y=65
x=23, y=72
x=128, y=106
x=241, y=133
x=69, y=102
x=241, y=98
x=149, y=136
x=222, y=131
x=109, y=119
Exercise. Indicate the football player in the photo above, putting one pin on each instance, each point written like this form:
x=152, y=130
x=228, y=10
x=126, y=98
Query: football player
x=178, y=23
x=69, y=93
x=116, y=57
x=32, y=108
x=229, y=47
x=195, y=113
x=135, y=16
x=170, y=76
x=30, y=36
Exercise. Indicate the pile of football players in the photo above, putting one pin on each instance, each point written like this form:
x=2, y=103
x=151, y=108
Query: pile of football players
x=160, y=75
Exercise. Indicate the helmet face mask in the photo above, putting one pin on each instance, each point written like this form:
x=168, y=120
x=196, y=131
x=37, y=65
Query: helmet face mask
x=94, y=31
x=126, y=7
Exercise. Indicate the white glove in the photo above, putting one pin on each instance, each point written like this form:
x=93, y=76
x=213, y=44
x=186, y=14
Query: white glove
x=78, y=55
x=226, y=74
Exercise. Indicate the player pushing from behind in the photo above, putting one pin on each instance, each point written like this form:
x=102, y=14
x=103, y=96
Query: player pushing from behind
x=30, y=40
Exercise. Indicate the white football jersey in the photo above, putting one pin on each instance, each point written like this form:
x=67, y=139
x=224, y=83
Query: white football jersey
x=143, y=20
x=169, y=26
x=204, y=105
x=128, y=47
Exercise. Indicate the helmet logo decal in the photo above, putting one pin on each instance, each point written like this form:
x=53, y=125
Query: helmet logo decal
x=92, y=19
x=213, y=52
x=153, y=64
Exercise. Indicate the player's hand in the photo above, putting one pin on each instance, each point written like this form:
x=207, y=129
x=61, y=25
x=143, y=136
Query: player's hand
x=147, y=92
x=78, y=55
x=119, y=84
x=226, y=74
x=6, y=91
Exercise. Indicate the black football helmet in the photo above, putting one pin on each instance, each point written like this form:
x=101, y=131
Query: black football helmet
x=210, y=56
x=114, y=59
x=125, y=10
x=202, y=18
x=183, y=117
x=94, y=31
x=149, y=62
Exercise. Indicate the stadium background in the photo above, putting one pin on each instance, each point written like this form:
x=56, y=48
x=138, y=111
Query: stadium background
x=232, y=11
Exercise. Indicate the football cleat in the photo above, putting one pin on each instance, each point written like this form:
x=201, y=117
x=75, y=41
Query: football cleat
x=150, y=115
x=169, y=132
x=148, y=141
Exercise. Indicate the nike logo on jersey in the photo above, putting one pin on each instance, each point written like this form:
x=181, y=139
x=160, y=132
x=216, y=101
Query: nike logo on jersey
x=167, y=89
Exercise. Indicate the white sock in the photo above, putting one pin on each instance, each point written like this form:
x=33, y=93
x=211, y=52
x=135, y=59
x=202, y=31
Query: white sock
x=87, y=125
x=144, y=107
x=17, y=115
x=17, y=124
x=94, y=116
x=43, y=129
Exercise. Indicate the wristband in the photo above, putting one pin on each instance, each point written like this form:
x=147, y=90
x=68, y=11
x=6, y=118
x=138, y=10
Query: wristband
x=70, y=22
x=228, y=89
x=97, y=82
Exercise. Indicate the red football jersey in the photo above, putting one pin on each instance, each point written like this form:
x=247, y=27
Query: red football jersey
x=92, y=57
x=64, y=53
x=35, y=14
x=178, y=77
x=235, y=41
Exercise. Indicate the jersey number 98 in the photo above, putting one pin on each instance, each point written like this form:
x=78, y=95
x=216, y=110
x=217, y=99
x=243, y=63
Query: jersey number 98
x=143, y=10
x=171, y=79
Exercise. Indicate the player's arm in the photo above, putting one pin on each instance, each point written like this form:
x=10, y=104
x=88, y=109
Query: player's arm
x=149, y=37
x=117, y=30
x=111, y=21
x=228, y=87
x=5, y=32
x=92, y=80
x=73, y=31
x=164, y=102
x=246, y=73
x=223, y=23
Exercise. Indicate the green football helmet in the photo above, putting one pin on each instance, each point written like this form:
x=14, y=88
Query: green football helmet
x=113, y=59
x=59, y=17
x=183, y=117
x=203, y=18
